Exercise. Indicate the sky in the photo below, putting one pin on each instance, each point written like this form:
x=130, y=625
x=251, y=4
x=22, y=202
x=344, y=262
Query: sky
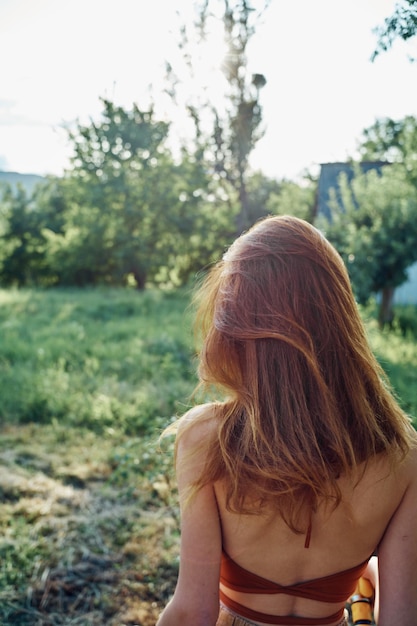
x=60, y=56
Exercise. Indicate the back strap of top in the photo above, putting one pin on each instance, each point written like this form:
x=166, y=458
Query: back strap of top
x=333, y=588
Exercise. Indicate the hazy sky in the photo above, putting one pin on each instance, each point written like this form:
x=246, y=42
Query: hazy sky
x=59, y=56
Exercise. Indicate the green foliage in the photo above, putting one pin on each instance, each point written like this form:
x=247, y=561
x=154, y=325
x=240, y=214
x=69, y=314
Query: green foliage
x=22, y=252
x=374, y=227
x=99, y=358
x=405, y=321
x=123, y=194
x=126, y=213
x=88, y=379
x=17, y=556
x=261, y=193
x=293, y=199
x=123, y=138
x=392, y=141
x=396, y=351
x=401, y=24
x=104, y=359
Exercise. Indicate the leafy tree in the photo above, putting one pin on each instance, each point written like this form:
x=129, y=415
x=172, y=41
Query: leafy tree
x=117, y=171
x=201, y=228
x=131, y=211
x=401, y=24
x=235, y=128
x=125, y=210
x=393, y=141
x=259, y=190
x=125, y=201
x=28, y=218
x=374, y=227
x=50, y=202
x=294, y=199
x=22, y=243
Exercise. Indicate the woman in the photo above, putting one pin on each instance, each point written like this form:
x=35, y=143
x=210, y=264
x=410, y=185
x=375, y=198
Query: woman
x=308, y=466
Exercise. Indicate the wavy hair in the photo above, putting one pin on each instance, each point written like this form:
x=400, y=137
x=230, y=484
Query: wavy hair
x=306, y=401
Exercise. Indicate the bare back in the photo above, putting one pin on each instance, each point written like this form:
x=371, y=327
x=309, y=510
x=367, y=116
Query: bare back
x=376, y=513
x=340, y=539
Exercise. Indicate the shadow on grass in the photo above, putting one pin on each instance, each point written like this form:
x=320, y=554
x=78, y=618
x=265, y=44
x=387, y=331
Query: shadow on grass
x=92, y=592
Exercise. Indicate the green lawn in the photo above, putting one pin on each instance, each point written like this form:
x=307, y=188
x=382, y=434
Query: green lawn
x=88, y=524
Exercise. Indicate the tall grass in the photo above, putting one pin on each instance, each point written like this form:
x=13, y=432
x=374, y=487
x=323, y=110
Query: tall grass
x=95, y=359
x=396, y=351
x=119, y=359
x=88, y=379
x=88, y=528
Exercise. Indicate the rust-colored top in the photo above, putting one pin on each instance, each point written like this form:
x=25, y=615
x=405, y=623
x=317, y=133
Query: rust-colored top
x=333, y=588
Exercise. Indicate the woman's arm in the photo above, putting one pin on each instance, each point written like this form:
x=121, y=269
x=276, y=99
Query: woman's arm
x=196, y=598
x=398, y=559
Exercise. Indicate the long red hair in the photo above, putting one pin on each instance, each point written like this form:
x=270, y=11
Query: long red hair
x=306, y=401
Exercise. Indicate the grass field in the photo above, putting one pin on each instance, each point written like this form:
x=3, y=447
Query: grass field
x=89, y=523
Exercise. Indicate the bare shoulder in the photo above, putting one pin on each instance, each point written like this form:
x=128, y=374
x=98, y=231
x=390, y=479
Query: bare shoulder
x=197, y=428
x=410, y=476
x=195, y=435
x=400, y=473
x=410, y=463
x=405, y=478
x=406, y=471
x=198, y=424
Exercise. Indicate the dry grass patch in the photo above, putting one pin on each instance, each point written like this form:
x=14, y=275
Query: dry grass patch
x=97, y=544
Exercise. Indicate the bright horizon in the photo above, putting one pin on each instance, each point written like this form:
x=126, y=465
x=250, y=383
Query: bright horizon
x=322, y=90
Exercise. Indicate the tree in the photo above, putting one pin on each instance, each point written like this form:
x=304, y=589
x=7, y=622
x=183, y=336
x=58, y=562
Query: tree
x=259, y=190
x=393, y=141
x=50, y=202
x=125, y=211
x=374, y=227
x=22, y=242
x=294, y=199
x=235, y=127
x=132, y=212
x=401, y=24
x=126, y=200
x=117, y=166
